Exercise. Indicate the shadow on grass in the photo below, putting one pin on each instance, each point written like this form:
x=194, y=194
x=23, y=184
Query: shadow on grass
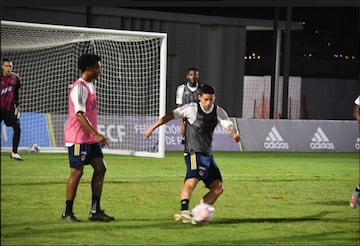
x=315, y=217
x=57, y=182
x=339, y=203
x=59, y=226
x=62, y=182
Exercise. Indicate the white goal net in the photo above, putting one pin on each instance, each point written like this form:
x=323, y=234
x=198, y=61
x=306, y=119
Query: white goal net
x=131, y=88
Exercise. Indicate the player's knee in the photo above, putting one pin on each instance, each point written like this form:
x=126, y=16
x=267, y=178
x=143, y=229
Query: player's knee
x=77, y=172
x=99, y=166
x=218, y=189
x=103, y=169
x=190, y=184
x=100, y=170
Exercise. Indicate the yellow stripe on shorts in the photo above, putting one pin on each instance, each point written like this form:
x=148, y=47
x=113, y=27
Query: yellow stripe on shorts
x=193, y=160
x=76, y=149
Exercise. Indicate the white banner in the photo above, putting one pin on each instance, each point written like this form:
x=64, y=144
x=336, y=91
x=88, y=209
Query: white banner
x=299, y=135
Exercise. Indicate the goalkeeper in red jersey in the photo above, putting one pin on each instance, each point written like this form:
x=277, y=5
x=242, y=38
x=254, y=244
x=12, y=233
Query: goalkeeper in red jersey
x=10, y=86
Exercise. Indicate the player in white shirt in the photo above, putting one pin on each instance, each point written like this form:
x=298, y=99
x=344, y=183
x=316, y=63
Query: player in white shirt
x=187, y=93
x=201, y=120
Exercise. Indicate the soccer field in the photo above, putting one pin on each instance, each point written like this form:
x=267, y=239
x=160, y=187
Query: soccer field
x=269, y=199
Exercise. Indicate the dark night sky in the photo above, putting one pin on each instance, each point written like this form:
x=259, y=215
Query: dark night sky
x=327, y=30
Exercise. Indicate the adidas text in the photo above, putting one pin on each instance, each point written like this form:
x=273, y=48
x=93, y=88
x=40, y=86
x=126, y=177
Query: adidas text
x=276, y=145
x=275, y=141
x=321, y=141
x=322, y=145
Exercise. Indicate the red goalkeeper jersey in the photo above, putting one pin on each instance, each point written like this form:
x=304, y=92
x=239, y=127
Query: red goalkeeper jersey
x=10, y=86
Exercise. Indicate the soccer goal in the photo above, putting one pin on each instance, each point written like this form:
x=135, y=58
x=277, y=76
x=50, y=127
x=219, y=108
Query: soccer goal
x=131, y=89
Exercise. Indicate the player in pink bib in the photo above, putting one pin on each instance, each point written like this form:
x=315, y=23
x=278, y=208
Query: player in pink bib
x=83, y=140
x=74, y=132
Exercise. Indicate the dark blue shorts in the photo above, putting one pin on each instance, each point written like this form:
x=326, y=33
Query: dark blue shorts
x=82, y=154
x=202, y=167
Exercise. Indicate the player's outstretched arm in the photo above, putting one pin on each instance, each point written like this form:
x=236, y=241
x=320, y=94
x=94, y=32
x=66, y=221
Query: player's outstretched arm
x=159, y=122
x=227, y=124
x=233, y=133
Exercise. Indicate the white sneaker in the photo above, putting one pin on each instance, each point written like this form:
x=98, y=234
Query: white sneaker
x=185, y=216
x=16, y=156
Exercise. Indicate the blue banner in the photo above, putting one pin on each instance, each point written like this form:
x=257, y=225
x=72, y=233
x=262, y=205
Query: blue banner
x=34, y=130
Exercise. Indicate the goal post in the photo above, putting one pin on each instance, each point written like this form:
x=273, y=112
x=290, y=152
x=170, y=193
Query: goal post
x=131, y=89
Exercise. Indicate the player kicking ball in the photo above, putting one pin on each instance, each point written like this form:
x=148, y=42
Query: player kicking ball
x=201, y=120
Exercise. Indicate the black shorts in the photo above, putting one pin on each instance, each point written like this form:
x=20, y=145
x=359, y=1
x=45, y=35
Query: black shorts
x=9, y=118
x=82, y=154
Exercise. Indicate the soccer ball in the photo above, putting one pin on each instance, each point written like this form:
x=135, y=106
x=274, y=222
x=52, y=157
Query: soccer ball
x=34, y=148
x=203, y=212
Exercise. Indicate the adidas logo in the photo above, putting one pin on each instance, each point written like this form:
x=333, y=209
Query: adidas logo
x=321, y=141
x=275, y=141
x=357, y=143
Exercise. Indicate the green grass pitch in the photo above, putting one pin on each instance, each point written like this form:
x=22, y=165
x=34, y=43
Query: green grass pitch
x=269, y=199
